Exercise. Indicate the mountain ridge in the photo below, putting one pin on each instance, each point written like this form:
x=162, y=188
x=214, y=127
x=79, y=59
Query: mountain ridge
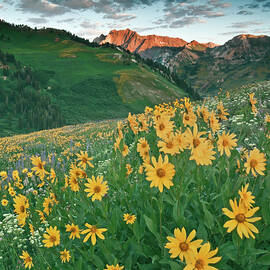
x=134, y=42
x=209, y=66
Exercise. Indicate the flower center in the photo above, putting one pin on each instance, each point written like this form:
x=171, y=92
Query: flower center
x=196, y=142
x=161, y=127
x=146, y=154
x=74, y=181
x=22, y=209
x=183, y=246
x=73, y=230
x=97, y=189
x=253, y=163
x=160, y=172
x=40, y=166
x=225, y=143
x=187, y=117
x=199, y=264
x=84, y=160
x=28, y=259
x=169, y=145
x=93, y=229
x=144, y=145
x=52, y=238
x=240, y=218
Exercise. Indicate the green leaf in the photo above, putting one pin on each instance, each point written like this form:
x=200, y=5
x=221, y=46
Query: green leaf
x=155, y=258
x=264, y=260
x=265, y=234
x=174, y=265
x=236, y=238
x=229, y=250
x=168, y=199
x=151, y=226
x=202, y=232
x=266, y=211
x=176, y=212
x=97, y=261
x=208, y=217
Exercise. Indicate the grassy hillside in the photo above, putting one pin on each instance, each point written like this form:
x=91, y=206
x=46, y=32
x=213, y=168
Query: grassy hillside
x=87, y=83
x=199, y=182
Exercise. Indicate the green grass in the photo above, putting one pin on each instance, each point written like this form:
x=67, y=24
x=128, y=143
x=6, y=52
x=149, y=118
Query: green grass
x=84, y=79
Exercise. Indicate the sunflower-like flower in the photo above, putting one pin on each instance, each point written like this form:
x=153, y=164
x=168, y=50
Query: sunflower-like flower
x=161, y=173
x=21, y=205
x=92, y=231
x=96, y=188
x=27, y=259
x=203, y=154
x=189, y=119
x=41, y=216
x=4, y=202
x=252, y=100
x=48, y=205
x=142, y=146
x=181, y=140
x=74, y=183
x=39, y=167
x=255, y=162
x=52, y=237
x=76, y=172
x=203, y=112
x=226, y=142
x=129, y=219
x=241, y=218
x=181, y=245
x=84, y=160
x=114, y=267
x=65, y=256
x=213, y=122
x=222, y=112
x=3, y=175
x=52, y=176
x=125, y=150
x=202, y=259
x=74, y=231
x=169, y=145
x=117, y=143
x=129, y=169
x=163, y=126
x=246, y=197
x=193, y=138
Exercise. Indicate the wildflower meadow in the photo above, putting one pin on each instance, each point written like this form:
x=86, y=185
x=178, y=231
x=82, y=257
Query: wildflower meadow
x=184, y=185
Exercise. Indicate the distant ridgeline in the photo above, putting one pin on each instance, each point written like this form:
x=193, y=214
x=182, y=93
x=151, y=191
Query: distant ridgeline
x=25, y=104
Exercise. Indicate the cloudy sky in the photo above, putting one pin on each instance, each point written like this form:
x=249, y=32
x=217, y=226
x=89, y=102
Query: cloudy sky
x=202, y=20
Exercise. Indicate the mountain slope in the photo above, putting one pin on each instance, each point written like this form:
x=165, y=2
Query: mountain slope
x=206, y=67
x=87, y=83
x=243, y=59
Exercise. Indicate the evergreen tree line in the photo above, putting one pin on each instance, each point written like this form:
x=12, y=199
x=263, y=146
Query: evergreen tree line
x=23, y=98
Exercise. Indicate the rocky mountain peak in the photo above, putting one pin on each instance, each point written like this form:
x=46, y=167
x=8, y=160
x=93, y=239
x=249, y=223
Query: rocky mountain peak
x=134, y=42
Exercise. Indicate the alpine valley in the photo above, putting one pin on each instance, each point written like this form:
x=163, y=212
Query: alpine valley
x=205, y=66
